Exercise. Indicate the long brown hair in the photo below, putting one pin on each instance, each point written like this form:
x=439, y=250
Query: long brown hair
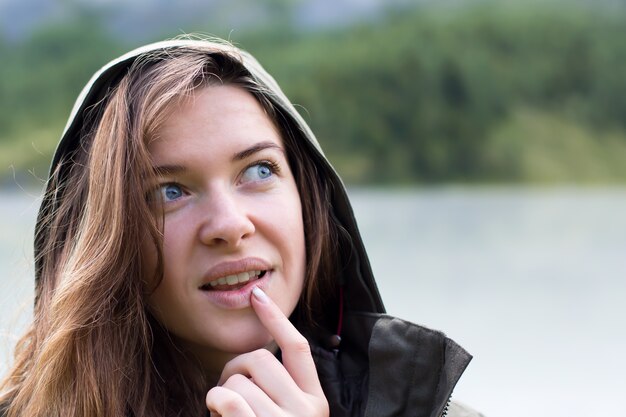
x=93, y=349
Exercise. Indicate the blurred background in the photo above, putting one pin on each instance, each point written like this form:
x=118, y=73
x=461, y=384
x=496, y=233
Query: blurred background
x=483, y=143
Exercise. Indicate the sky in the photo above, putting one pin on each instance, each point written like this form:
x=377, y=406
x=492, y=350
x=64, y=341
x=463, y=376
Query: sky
x=148, y=17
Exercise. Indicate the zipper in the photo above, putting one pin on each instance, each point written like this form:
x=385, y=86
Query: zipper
x=444, y=413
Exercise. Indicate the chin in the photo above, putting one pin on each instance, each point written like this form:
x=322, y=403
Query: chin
x=236, y=339
x=249, y=344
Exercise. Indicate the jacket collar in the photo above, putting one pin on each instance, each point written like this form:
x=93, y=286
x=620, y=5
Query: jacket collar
x=390, y=367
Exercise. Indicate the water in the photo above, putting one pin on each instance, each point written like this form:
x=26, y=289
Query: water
x=530, y=281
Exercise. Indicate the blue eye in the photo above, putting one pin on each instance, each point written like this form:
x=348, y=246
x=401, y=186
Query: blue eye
x=264, y=171
x=260, y=171
x=170, y=192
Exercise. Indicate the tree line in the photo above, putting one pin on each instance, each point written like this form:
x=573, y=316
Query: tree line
x=531, y=92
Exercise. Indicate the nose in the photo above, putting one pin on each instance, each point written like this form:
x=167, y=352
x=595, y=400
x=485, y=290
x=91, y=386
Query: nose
x=225, y=221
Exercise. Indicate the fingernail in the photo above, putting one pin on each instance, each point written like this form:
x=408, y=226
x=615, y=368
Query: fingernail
x=260, y=295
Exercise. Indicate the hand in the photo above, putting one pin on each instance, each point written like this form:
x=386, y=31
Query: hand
x=256, y=384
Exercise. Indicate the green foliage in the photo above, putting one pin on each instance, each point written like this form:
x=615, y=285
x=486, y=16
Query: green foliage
x=417, y=96
x=39, y=80
x=541, y=147
x=493, y=91
x=42, y=76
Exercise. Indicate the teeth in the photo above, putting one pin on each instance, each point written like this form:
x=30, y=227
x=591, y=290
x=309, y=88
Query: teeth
x=235, y=279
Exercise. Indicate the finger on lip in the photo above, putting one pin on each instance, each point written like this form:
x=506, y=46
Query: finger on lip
x=296, y=352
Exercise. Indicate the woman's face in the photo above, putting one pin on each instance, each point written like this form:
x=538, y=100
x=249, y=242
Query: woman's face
x=232, y=220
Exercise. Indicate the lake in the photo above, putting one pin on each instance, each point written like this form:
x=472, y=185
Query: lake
x=530, y=280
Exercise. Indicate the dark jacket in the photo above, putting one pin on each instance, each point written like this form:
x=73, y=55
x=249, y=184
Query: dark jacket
x=389, y=367
x=383, y=366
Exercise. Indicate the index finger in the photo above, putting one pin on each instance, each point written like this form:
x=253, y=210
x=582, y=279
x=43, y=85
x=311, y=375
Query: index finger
x=296, y=352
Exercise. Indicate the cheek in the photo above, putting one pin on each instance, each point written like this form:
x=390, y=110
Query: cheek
x=294, y=237
x=280, y=221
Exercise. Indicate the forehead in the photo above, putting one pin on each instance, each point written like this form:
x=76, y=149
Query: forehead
x=219, y=117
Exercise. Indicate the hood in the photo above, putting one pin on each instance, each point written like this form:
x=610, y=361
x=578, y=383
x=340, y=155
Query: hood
x=359, y=288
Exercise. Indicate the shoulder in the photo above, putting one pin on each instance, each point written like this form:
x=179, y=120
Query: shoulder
x=386, y=365
x=457, y=409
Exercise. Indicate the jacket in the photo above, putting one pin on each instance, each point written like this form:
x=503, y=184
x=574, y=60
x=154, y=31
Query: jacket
x=383, y=366
x=390, y=367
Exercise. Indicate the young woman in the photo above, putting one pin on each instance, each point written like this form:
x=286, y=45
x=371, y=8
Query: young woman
x=196, y=253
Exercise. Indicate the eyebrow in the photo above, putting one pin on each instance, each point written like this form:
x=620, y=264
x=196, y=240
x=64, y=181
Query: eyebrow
x=257, y=147
x=165, y=170
x=239, y=156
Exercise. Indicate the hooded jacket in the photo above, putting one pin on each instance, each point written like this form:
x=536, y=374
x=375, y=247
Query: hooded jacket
x=383, y=366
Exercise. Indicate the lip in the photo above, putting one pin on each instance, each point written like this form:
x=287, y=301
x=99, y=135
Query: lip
x=234, y=267
x=237, y=298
